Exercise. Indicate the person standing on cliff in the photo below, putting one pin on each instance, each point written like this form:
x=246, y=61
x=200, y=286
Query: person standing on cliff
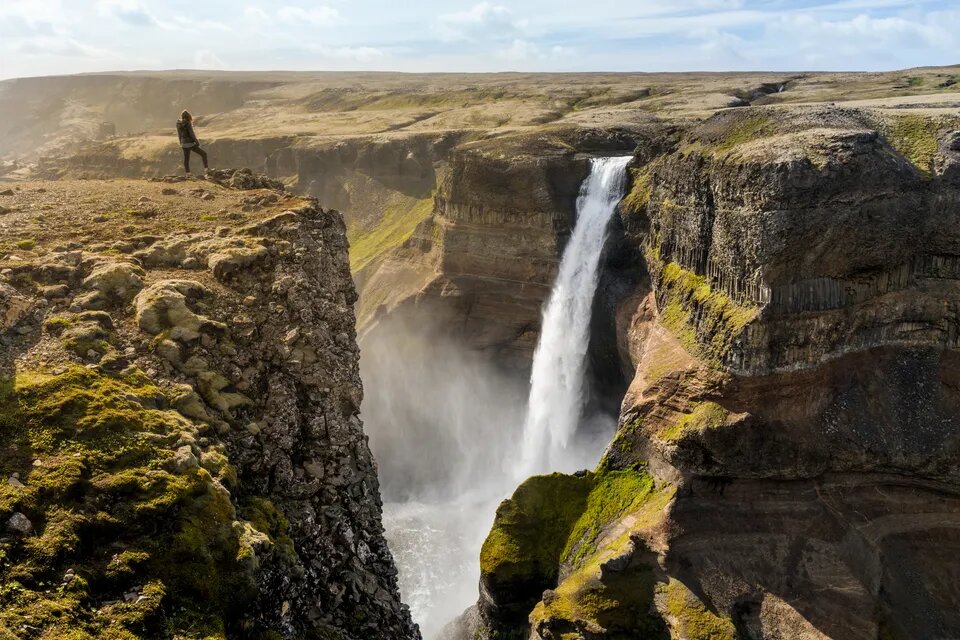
x=189, y=141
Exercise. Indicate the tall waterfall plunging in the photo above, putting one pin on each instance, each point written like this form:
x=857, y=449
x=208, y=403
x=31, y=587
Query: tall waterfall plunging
x=446, y=422
x=557, y=393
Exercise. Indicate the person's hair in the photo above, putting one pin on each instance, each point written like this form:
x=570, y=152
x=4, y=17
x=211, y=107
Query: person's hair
x=185, y=115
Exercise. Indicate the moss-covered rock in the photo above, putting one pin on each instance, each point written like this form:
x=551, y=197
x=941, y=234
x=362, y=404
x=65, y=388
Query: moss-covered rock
x=916, y=137
x=687, y=616
x=556, y=533
x=703, y=416
x=593, y=603
x=122, y=545
x=707, y=322
x=521, y=555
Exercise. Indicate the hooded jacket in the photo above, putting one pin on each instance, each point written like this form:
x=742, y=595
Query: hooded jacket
x=185, y=132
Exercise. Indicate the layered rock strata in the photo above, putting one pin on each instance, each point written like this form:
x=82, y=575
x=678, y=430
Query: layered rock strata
x=786, y=462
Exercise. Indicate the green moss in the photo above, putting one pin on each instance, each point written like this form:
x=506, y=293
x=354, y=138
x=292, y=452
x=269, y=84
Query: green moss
x=690, y=619
x=679, y=321
x=614, y=494
x=705, y=415
x=531, y=528
x=81, y=337
x=57, y=324
x=26, y=244
x=706, y=322
x=743, y=131
x=639, y=195
x=93, y=451
x=268, y=519
x=916, y=138
x=397, y=225
x=574, y=523
x=620, y=604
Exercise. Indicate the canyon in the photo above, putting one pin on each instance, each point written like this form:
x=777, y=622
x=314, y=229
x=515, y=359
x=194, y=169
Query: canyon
x=767, y=447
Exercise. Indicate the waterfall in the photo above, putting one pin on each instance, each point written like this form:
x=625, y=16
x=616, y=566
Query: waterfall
x=557, y=393
x=445, y=423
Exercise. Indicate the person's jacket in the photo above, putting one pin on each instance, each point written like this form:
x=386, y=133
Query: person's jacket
x=185, y=132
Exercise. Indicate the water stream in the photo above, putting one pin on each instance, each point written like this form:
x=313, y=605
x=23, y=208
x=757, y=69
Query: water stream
x=557, y=393
x=445, y=424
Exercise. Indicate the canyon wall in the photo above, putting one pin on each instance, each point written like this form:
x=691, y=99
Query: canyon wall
x=786, y=461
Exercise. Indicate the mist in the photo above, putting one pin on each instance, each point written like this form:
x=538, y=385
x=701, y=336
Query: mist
x=446, y=427
x=444, y=423
x=443, y=420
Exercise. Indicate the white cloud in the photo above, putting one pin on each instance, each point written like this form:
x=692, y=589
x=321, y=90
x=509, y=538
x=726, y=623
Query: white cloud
x=256, y=14
x=477, y=34
x=320, y=15
x=206, y=59
x=20, y=18
x=188, y=23
x=525, y=51
x=33, y=11
x=357, y=54
x=864, y=32
x=132, y=12
x=56, y=46
x=722, y=45
x=481, y=21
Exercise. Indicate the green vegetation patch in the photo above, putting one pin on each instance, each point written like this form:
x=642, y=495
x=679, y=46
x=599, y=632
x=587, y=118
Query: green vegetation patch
x=742, y=131
x=639, y=195
x=915, y=137
x=589, y=599
x=614, y=493
x=397, y=225
x=705, y=321
x=125, y=539
x=619, y=604
x=573, y=523
x=531, y=528
x=690, y=619
x=705, y=415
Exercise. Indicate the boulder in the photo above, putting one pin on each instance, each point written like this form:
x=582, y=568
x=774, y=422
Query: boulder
x=13, y=307
x=184, y=460
x=111, y=283
x=165, y=306
x=19, y=523
x=230, y=261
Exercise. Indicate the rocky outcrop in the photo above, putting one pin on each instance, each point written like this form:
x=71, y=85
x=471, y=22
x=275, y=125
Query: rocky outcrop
x=180, y=431
x=793, y=395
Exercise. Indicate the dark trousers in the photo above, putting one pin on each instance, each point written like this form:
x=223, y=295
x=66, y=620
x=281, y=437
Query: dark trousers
x=186, y=157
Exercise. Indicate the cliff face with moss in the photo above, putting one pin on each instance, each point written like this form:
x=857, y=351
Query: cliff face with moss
x=786, y=460
x=180, y=449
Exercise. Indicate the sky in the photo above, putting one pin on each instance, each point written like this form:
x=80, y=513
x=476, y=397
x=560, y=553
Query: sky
x=44, y=37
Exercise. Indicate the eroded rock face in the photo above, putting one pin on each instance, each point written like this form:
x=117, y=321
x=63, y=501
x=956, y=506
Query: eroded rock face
x=485, y=259
x=794, y=357
x=210, y=473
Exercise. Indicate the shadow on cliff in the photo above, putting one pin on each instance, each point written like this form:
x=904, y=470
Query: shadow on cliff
x=851, y=517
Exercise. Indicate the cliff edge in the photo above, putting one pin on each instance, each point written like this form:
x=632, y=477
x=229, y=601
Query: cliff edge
x=180, y=449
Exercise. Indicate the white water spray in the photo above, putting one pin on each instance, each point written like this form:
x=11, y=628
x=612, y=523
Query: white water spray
x=444, y=423
x=557, y=393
